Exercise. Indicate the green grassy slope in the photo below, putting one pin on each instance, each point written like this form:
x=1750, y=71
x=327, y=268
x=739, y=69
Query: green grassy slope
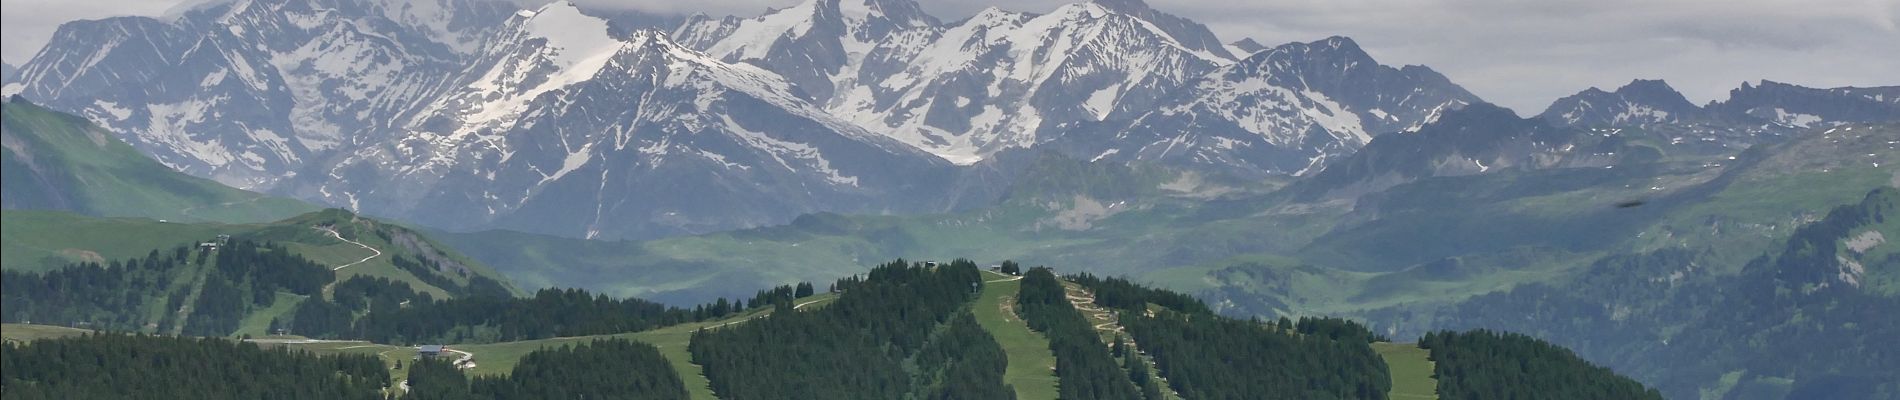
x=63, y=162
x=44, y=240
x=1031, y=369
x=1411, y=371
x=30, y=332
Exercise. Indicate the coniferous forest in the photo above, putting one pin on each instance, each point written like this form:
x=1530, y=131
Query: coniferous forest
x=1118, y=293
x=125, y=295
x=1195, y=354
x=119, y=366
x=550, y=313
x=1083, y=365
x=900, y=332
x=1483, y=364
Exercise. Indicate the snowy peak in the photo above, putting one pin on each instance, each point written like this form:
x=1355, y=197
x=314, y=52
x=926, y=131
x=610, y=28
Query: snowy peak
x=542, y=51
x=1004, y=79
x=1288, y=110
x=461, y=25
x=884, y=16
x=564, y=115
x=817, y=45
x=1335, y=53
x=1188, y=33
x=1641, y=103
x=246, y=92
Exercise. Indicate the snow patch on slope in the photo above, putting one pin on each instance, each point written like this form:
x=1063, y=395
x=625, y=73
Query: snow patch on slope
x=573, y=44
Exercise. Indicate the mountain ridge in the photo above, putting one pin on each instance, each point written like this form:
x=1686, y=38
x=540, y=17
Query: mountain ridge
x=365, y=103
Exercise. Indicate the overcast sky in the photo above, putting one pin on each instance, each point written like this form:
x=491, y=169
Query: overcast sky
x=1519, y=53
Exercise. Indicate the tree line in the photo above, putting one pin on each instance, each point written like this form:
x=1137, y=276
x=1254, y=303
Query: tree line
x=1122, y=294
x=549, y=313
x=122, y=366
x=1483, y=364
x=601, y=369
x=1212, y=357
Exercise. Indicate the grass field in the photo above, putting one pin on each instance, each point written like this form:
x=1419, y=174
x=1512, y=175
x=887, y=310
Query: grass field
x=500, y=358
x=257, y=324
x=1411, y=371
x=30, y=332
x=60, y=161
x=1031, y=367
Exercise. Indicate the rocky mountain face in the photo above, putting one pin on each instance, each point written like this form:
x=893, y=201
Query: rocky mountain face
x=967, y=90
x=248, y=92
x=1286, y=111
x=1473, y=140
x=1770, y=105
x=651, y=136
x=1769, y=113
x=1641, y=103
x=1802, y=107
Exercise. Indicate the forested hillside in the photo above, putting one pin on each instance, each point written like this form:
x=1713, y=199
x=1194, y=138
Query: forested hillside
x=1193, y=353
x=194, y=291
x=1489, y=365
x=1084, y=366
x=118, y=366
x=903, y=330
x=900, y=314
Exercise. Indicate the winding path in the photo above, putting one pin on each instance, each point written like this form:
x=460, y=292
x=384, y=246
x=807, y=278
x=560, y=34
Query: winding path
x=1084, y=301
x=373, y=251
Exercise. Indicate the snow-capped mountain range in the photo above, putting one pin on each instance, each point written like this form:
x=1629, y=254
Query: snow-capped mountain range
x=614, y=124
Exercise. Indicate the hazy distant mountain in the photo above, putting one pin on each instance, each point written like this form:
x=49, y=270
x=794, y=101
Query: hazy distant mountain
x=1802, y=107
x=1752, y=115
x=1640, y=103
